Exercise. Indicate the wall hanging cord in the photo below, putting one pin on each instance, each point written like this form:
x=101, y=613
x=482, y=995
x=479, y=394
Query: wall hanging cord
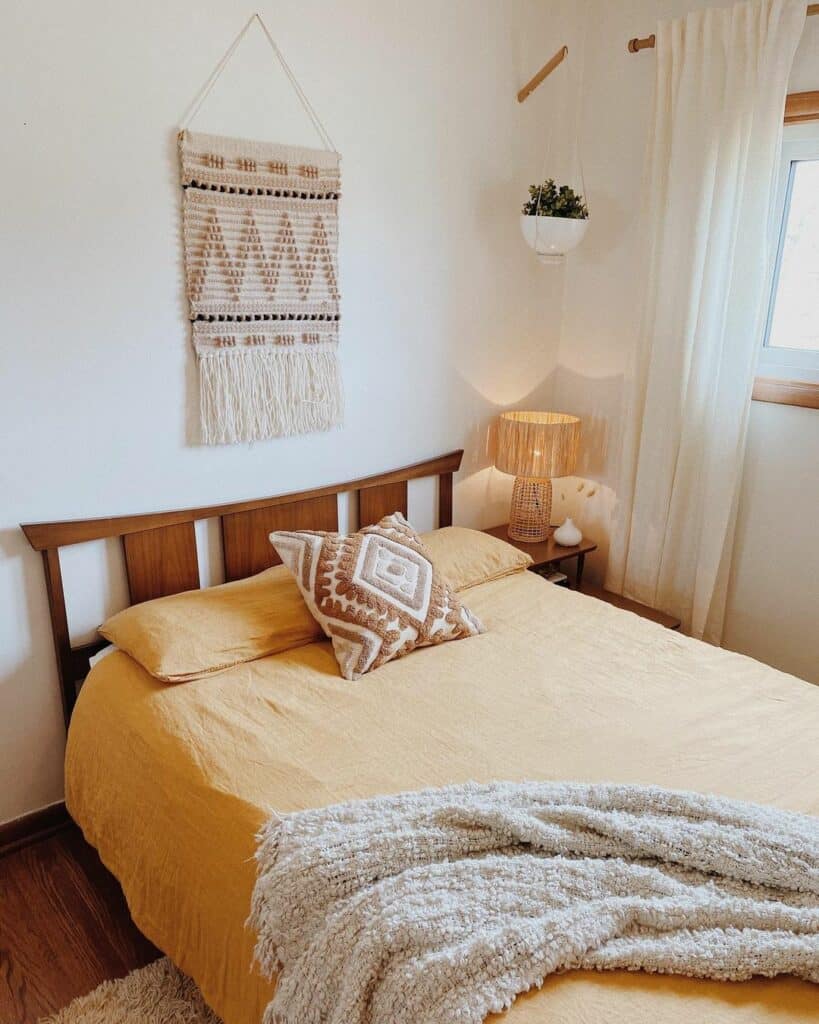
x=550, y=65
x=570, y=83
x=321, y=131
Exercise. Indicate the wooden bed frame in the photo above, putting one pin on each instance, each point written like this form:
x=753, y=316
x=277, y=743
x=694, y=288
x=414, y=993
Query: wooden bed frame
x=160, y=547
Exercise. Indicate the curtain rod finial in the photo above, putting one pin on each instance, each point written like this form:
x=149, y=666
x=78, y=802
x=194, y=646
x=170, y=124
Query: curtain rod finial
x=635, y=44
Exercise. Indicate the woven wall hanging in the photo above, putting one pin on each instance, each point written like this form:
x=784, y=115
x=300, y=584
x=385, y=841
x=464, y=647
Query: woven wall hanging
x=260, y=227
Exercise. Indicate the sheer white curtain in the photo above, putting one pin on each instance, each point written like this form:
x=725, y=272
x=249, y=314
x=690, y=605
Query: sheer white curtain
x=721, y=82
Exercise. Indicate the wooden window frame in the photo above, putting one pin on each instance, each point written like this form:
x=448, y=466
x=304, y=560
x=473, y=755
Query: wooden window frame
x=802, y=106
x=803, y=393
x=799, y=108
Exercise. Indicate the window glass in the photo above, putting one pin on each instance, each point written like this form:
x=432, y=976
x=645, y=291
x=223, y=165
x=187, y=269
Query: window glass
x=795, y=320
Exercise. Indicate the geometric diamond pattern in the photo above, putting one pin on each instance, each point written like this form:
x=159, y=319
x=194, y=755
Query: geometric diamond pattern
x=214, y=263
x=375, y=593
x=260, y=224
x=260, y=232
x=395, y=572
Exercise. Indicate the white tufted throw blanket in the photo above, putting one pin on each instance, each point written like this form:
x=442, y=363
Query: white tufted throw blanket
x=443, y=905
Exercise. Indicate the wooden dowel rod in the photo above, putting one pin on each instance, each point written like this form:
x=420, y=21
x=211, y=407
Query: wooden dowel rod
x=635, y=45
x=544, y=72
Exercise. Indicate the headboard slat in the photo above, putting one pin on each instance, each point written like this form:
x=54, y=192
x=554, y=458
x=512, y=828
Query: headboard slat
x=244, y=534
x=381, y=500
x=445, y=499
x=161, y=561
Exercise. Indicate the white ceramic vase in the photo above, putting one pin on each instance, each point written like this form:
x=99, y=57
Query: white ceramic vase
x=568, y=535
x=552, y=237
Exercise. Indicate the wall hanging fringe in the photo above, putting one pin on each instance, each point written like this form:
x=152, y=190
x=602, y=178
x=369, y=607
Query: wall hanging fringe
x=260, y=225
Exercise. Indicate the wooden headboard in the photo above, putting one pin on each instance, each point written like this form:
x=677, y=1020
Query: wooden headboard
x=160, y=547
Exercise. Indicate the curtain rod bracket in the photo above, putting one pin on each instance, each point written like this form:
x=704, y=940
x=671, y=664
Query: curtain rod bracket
x=544, y=72
x=635, y=45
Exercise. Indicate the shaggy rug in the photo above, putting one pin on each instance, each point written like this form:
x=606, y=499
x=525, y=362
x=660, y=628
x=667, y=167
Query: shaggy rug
x=156, y=994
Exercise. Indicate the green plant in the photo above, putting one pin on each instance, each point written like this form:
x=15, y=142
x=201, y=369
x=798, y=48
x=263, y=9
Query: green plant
x=551, y=200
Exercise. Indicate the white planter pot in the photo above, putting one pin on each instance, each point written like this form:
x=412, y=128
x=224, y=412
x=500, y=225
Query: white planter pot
x=553, y=237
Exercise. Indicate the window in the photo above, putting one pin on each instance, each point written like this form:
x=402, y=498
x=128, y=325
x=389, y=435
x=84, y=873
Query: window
x=791, y=348
x=794, y=321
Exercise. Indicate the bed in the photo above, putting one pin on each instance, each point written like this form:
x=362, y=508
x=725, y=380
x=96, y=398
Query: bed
x=171, y=782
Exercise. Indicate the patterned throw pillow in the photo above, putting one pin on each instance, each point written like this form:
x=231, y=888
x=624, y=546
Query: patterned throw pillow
x=375, y=593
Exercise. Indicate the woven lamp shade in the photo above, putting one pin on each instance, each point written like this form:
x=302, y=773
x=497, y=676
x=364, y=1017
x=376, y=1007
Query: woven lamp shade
x=539, y=445
x=534, y=447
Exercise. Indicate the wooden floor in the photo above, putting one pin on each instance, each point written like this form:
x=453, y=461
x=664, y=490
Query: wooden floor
x=64, y=927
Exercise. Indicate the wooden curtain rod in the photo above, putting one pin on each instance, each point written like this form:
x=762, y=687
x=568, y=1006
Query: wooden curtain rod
x=635, y=45
x=544, y=72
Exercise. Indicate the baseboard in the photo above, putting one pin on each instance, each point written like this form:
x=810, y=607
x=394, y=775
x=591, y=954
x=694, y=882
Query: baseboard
x=30, y=827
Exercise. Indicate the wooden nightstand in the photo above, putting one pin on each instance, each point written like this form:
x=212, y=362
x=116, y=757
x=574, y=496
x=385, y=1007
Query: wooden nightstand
x=549, y=552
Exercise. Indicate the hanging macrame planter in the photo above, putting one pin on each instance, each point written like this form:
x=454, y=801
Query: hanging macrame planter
x=555, y=217
x=552, y=235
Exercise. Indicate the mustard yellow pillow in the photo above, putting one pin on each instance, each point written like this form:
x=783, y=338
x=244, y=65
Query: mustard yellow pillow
x=192, y=634
x=469, y=557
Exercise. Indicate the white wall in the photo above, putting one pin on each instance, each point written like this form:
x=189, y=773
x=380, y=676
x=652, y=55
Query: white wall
x=445, y=314
x=773, y=610
x=773, y=604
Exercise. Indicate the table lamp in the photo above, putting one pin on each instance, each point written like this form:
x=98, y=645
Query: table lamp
x=534, y=447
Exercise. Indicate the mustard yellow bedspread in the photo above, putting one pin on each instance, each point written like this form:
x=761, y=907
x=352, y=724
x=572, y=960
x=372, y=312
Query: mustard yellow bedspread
x=171, y=782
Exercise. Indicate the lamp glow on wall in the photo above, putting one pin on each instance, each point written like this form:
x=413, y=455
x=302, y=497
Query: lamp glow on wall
x=535, y=447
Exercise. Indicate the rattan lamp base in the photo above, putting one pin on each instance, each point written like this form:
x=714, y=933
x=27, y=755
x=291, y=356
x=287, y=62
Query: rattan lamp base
x=531, y=513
